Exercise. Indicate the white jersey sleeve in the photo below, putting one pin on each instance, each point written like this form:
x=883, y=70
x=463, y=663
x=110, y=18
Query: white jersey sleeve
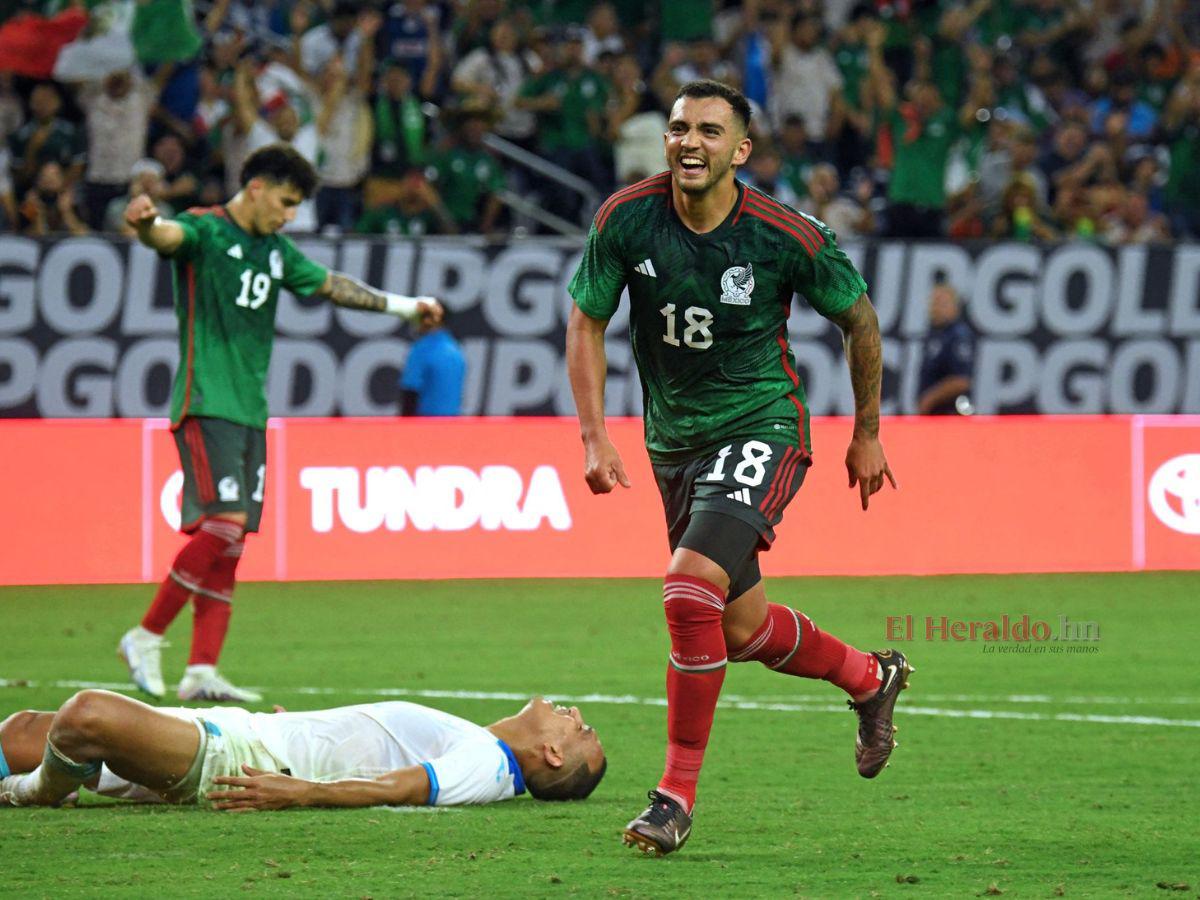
x=473, y=772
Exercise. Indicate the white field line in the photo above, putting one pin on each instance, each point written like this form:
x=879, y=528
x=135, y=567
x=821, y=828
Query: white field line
x=1012, y=698
x=732, y=701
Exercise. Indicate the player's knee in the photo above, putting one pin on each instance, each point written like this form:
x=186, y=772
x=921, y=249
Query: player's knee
x=232, y=517
x=83, y=717
x=18, y=722
x=23, y=738
x=24, y=728
x=737, y=634
x=691, y=564
x=691, y=604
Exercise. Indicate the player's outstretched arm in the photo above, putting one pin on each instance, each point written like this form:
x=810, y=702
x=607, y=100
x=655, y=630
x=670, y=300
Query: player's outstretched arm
x=865, y=462
x=259, y=790
x=351, y=293
x=587, y=366
x=152, y=230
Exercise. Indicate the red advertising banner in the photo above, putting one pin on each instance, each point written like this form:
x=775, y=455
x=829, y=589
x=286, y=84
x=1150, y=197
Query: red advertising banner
x=97, y=501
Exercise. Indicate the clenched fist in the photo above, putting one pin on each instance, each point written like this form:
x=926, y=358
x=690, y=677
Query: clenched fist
x=141, y=212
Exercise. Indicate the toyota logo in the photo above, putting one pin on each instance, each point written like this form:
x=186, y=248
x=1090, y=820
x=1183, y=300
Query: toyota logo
x=169, y=500
x=1174, y=493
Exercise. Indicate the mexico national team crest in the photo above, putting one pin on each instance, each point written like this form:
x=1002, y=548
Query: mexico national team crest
x=736, y=285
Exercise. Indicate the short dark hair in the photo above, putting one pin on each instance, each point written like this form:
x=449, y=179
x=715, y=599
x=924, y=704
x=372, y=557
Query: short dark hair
x=281, y=164
x=552, y=784
x=706, y=87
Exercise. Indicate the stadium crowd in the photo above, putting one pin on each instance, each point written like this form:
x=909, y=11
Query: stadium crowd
x=1016, y=119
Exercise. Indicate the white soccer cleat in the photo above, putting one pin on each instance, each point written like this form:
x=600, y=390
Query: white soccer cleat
x=209, y=685
x=142, y=652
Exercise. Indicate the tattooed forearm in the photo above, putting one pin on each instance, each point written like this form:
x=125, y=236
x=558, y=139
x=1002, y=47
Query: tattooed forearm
x=346, y=291
x=864, y=353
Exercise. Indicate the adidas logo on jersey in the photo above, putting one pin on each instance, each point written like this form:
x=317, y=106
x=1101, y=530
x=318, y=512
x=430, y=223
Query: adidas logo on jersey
x=646, y=268
x=235, y=251
x=742, y=496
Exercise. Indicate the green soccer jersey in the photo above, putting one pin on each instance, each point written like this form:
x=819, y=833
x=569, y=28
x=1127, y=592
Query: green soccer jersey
x=853, y=62
x=226, y=285
x=708, y=312
x=582, y=94
x=922, y=150
x=464, y=177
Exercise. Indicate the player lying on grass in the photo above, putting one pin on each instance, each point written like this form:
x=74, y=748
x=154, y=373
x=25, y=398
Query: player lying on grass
x=373, y=754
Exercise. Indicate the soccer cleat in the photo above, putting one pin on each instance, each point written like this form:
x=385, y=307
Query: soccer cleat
x=663, y=828
x=142, y=652
x=875, y=740
x=212, y=687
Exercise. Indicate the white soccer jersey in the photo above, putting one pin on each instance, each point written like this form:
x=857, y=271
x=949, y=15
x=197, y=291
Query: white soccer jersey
x=465, y=762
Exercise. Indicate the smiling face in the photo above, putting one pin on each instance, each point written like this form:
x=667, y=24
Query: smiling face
x=705, y=139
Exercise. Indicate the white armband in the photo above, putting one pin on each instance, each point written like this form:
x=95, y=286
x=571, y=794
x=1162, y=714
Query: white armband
x=404, y=307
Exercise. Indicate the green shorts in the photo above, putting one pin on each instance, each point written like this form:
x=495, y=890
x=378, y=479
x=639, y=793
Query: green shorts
x=749, y=480
x=224, y=470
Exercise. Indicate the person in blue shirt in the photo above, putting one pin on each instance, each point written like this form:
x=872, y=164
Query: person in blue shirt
x=1140, y=118
x=948, y=357
x=432, y=381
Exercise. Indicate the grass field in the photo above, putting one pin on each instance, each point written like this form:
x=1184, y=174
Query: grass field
x=1020, y=774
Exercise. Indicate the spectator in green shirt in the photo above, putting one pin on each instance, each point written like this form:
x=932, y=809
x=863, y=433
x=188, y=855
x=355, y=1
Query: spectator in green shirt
x=570, y=101
x=946, y=24
x=1058, y=26
x=399, y=134
x=417, y=210
x=45, y=138
x=796, y=155
x=850, y=124
x=467, y=176
x=1181, y=123
x=922, y=130
x=689, y=21
x=1155, y=80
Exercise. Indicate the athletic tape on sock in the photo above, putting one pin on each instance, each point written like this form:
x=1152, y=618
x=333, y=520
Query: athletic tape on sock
x=55, y=759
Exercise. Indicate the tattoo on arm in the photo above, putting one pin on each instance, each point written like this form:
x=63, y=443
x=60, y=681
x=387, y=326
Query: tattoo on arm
x=352, y=293
x=864, y=353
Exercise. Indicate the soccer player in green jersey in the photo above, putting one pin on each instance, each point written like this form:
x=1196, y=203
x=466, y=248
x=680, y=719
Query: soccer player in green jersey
x=711, y=266
x=229, y=263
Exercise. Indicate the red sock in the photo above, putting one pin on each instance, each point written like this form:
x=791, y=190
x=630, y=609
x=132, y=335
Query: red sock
x=192, y=565
x=214, y=606
x=210, y=621
x=697, y=669
x=788, y=641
